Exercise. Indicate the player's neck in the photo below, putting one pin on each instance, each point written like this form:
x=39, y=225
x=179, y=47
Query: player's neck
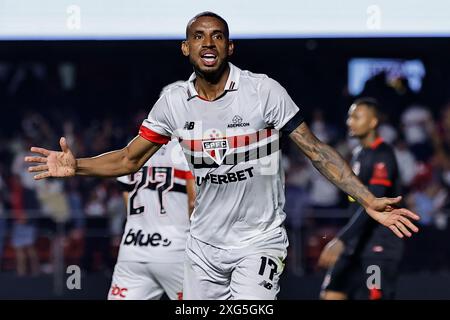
x=368, y=140
x=212, y=88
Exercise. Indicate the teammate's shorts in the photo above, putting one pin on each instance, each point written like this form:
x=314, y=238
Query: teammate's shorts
x=250, y=273
x=146, y=281
x=363, y=278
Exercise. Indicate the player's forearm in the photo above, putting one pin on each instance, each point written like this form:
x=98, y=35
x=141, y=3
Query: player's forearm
x=335, y=168
x=111, y=164
x=120, y=162
x=331, y=165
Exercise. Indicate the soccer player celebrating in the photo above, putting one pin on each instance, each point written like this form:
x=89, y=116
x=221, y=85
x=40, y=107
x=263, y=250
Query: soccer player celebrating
x=228, y=122
x=160, y=197
x=363, y=243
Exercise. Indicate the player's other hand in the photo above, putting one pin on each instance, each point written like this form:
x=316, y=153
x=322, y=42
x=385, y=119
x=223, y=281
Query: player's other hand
x=331, y=253
x=398, y=220
x=53, y=163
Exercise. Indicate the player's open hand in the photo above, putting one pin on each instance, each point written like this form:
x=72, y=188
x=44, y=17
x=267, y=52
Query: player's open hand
x=331, y=253
x=53, y=163
x=383, y=211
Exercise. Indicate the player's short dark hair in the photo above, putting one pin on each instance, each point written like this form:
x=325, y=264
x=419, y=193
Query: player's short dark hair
x=370, y=103
x=209, y=14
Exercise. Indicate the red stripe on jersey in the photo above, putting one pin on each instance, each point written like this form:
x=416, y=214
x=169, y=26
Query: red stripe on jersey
x=380, y=175
x=233, y=141
x=181, y=174
x=152, y=136
x=376, y=143
x=383, y=182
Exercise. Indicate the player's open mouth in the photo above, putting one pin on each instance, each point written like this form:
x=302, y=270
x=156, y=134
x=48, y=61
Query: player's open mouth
x=209, y=59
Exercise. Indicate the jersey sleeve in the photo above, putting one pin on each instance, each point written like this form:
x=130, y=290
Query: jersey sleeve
x=157, y=127
x=278, y=108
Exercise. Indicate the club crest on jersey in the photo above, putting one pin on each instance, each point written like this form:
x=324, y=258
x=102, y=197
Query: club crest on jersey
x=215, y=146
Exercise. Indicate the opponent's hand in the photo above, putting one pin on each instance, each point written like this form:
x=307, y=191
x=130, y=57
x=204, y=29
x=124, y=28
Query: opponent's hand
x=331, y=253
x=53, y=163
x=383, y=211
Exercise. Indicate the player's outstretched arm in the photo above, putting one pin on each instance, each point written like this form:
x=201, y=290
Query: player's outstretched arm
x=112, y=164
x=335, y=168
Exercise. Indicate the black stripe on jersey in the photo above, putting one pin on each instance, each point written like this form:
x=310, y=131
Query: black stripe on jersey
x=176, y=187
x=202, y=162
x=126, y=187
x=189, y=94
x=293, y=123
x=235, y=158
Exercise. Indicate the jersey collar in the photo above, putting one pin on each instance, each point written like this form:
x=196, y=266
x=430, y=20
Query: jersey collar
x=232, y=83
x=376, y=143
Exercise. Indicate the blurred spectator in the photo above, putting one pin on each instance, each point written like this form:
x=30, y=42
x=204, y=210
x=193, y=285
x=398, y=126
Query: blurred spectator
x=117, y=215
x=418, y=126
x=386, y=130
x=297, y=196
x=387, y=95
x=442, y=145
x=432, y=240
x=3, y=193
x=54, y=201
x=20, y=147
x=75, y=200
x=97, y=231
x=428, y=202
x=320, y=127
x=406, y=163
x=323, y=194
x=25, y=208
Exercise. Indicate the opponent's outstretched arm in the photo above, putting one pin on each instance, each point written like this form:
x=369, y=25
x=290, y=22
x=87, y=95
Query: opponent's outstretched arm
x=112, y=164
x=335, y=168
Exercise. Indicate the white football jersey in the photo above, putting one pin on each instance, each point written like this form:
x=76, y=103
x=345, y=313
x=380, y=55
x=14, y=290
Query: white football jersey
x=232, y=147
x=158, y=219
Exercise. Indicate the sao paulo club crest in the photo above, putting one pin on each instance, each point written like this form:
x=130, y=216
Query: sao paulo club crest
x=215, y=145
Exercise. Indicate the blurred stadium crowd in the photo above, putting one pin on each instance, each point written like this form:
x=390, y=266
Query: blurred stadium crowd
x=85, y=216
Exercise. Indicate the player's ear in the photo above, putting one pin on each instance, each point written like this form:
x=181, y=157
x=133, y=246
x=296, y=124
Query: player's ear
x=374, y=123
x=185, y=48
x=230, y=47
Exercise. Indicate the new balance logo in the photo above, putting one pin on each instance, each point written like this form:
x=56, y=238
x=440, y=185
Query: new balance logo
x=189, y=125
x=266, y=285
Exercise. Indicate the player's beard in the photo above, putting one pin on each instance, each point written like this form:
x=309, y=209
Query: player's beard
x=211, y=75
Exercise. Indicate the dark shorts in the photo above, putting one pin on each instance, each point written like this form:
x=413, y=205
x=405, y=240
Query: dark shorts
x=363, y=278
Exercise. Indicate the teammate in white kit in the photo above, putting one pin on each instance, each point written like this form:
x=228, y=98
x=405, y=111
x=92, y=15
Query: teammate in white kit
x=229, y=122
x=159, y=197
